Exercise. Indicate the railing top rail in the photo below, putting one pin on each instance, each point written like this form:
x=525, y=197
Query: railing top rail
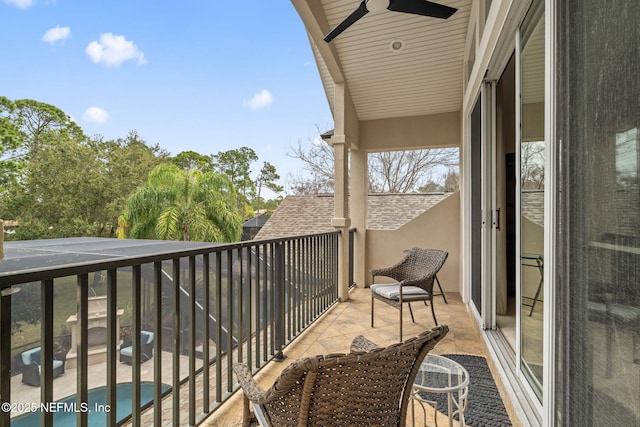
x=10, y=278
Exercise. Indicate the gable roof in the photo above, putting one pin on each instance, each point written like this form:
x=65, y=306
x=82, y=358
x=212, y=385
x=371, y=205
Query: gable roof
x=313, y=214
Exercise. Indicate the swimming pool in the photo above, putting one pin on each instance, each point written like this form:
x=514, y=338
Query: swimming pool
x=96, y=397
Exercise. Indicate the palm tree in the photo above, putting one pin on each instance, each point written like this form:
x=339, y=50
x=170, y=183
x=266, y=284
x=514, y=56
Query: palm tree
x=178, y=204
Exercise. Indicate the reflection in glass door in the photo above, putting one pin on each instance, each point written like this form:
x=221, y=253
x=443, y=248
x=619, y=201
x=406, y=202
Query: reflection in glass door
x=531, y=184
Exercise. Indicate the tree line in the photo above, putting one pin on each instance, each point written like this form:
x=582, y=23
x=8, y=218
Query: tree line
x=406, y=171
x=58, y=182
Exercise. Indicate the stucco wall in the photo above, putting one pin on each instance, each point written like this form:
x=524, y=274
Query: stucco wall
x=437, y=228
x=401, y=133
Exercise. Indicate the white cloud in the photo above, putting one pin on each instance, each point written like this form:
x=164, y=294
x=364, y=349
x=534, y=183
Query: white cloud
x=95, y=115
x=261, y=99
x=56, y=34
x=20, y=4
x=112, y=50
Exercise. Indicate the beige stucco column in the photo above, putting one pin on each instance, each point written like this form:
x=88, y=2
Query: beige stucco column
x=359, y=212
x=344, y=138
x=341, y=219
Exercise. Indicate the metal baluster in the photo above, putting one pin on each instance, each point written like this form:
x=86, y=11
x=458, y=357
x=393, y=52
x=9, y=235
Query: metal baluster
x=46, y=337
x=157, y=344
x=82, y=349
x=177, y=350
x=206, y=333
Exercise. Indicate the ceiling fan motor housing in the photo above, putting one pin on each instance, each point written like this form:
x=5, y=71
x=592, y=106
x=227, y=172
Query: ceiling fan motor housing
x=377, y=5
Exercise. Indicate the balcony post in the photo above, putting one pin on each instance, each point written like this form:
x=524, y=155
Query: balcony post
x=345, y=137
x=341, y=219
x=359, y=191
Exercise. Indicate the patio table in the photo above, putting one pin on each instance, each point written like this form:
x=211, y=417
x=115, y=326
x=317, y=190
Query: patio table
x=439, y=374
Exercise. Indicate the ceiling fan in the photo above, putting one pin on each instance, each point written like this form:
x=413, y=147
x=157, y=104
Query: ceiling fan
x=416, y=7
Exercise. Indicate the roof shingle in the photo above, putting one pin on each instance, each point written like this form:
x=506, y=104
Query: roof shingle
x=312, y=214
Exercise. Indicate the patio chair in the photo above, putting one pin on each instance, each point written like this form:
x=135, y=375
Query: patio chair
x=146, y=352
x=29, y=362
x=415, y=275
x=441, y=294
x=370, y=385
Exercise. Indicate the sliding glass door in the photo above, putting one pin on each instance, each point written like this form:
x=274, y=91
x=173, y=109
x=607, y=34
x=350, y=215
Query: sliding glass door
x=507, y=151
x=598, y=262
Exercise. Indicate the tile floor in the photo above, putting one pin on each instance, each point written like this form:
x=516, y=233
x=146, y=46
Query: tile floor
x=337, y=328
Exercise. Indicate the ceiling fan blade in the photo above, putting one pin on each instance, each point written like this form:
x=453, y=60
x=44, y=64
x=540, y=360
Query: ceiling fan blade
x=355, y=15
x=422, y=7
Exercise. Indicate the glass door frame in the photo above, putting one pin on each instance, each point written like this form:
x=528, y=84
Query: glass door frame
x=518, y=225
x=550, y=216
x=546, y=406
x=490, y=202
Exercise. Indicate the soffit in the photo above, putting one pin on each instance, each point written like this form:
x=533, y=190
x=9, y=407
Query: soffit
x=426, y=77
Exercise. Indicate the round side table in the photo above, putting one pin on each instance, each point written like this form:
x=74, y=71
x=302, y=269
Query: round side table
x=438, y=374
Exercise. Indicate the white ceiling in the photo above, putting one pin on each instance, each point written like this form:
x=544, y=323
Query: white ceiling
x=426, y=77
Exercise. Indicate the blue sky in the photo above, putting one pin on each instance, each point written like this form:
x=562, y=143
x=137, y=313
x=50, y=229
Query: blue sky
x=198, y=75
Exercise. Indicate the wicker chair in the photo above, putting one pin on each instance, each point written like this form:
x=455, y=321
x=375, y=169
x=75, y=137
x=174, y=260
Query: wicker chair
x=415, y=274
x=146, y=349
x=29, y=362
x=369, y=386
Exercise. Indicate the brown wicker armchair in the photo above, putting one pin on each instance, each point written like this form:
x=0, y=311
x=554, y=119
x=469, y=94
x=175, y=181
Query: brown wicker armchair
x=415, y=274
x=369, y=386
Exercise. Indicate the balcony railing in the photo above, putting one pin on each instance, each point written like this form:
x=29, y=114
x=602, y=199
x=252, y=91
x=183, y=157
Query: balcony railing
x=206, y=307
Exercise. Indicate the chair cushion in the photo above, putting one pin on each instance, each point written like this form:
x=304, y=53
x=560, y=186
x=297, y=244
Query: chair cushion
x=31, y=356
x=619, y=313
x=126, y=351
x=392, y=291
x=57, y=365
x=146, y=337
